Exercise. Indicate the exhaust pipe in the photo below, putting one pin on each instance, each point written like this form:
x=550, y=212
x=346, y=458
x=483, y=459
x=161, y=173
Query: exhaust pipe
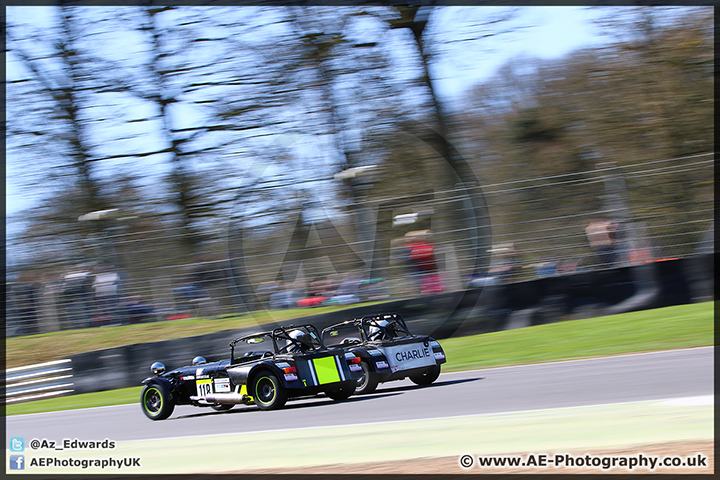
x=222, y=399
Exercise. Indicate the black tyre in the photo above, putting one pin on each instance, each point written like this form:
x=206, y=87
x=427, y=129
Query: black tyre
x=268, y=392
x=369, y=380
x=342, y=393
x=427, y=377
x=156, y=402
x=223, y=407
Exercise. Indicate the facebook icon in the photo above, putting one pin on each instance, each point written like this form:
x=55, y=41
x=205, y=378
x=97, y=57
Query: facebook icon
x=17, y=462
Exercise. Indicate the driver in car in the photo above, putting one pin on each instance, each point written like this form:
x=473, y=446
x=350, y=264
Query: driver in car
x=300, y=342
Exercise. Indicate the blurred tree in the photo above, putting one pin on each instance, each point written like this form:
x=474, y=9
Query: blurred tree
x=248, y=112
x=81, y=105
x=50, y=114
x=458, y=173
x=350, y=73
x=174, y=68
x=645, y=98
x=669, y=99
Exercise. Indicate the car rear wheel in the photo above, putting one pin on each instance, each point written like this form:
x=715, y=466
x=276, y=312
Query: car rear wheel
x=269, y=393
x=342, y=393
x=427, y=377
x=156, y=402
x=369, y=380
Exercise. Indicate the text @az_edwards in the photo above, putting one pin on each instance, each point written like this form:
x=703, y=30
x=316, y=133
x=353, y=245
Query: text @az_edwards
x=604, y=462
x=71, y=444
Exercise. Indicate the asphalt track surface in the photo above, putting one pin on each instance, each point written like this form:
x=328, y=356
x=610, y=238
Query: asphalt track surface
x=627, y=378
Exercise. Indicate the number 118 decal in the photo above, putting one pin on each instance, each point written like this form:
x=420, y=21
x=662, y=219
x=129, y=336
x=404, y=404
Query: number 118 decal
x=204, y=387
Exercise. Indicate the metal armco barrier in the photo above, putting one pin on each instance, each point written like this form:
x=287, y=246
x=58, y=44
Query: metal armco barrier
x=42, y=380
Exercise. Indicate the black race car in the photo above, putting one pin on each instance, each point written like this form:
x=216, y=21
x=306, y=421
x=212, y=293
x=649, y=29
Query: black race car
x=387, y=349
x=265, y=368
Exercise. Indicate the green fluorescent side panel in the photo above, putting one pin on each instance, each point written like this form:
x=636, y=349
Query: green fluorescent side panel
x=326, y=370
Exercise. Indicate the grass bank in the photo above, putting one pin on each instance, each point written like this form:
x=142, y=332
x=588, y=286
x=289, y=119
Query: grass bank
x=666, y=328
x=650, y=330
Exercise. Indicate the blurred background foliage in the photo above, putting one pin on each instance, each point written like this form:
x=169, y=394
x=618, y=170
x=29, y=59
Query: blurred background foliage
x=643, y=103
x=216, y=134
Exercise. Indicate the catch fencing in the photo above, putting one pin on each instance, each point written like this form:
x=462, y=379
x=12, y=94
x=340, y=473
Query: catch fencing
x=529, y=228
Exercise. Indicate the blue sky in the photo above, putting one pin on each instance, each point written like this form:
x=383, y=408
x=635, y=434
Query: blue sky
x=553, y=32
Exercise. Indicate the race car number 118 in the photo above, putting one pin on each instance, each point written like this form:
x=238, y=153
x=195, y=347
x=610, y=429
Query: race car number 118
x=204, y=387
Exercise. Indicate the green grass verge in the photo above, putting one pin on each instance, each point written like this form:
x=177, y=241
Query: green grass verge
x=649, y=330
x=666, y=328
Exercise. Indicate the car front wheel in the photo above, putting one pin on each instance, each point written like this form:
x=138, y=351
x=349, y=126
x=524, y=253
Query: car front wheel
x=427, y=377
x=156, y=402
x=269, y=393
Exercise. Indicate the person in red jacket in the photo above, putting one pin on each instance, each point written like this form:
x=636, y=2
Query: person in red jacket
x=424, y=262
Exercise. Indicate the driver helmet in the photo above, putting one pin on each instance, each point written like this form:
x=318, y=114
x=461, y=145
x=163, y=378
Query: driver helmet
x=157, y=368
x=302, y=338
x=378, y=332
x=198, y=360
